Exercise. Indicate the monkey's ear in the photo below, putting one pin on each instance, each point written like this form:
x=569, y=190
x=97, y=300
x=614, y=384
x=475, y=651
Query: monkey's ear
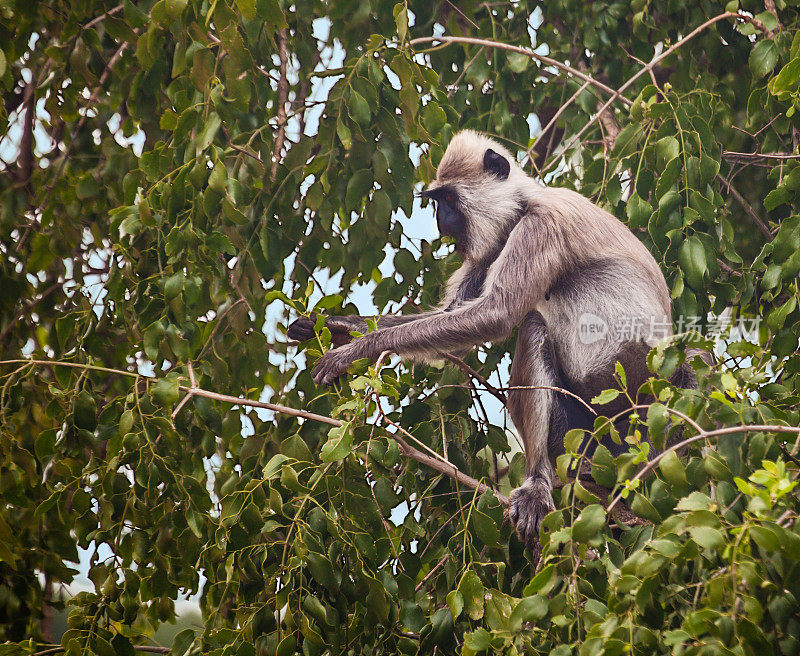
x=496, y=164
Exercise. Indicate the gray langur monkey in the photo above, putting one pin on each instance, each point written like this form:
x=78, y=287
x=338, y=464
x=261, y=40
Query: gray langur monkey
x=548, y=261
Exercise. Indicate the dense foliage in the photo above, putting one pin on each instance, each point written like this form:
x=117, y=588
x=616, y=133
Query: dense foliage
x=180, y=178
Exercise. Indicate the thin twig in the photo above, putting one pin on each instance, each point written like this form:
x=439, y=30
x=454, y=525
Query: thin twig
x=432, y=572
x=755, y=428
x=276, y=407
x=733, y=155
x=527, y=52
x=102, y=17
x=33, y=303
x=152, y=649
x=728, y=269
x=681, y=42
x=89, y=104
x=464, y=70
x=748, y=209
x=551, y=123
x=479, y=377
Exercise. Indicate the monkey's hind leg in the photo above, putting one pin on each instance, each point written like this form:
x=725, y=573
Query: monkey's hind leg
x=542, y=417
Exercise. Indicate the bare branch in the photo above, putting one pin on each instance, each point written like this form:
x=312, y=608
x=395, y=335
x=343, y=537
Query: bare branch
x=102, y=17
x=734, y=156
x=529, y=53
x=25, y=161
x=89, y=104
x=770, y=7
x=748, y=209
x=283, y=95
x=650, y=66
x=479, y=377
x=702, y=435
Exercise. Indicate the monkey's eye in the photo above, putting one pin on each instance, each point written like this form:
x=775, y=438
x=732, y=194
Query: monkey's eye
x=449, y=198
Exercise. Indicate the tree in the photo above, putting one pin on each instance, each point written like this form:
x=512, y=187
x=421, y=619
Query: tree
x=181, y=177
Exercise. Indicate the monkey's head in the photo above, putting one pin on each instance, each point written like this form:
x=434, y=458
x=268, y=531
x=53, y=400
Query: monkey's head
x=478, y=193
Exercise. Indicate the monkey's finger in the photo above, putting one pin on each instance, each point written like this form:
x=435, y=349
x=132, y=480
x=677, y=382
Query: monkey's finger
x=323, y=373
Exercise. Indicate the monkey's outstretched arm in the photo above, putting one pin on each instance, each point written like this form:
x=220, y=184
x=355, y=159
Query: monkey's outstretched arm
x=515, y=282
x=302, y=329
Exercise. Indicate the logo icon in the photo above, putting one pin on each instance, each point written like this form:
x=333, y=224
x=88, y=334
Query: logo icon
x=591, y=328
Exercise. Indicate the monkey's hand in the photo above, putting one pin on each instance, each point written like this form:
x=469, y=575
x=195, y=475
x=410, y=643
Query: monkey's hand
x=530, y=503
x=302, y=329
x=333, y=364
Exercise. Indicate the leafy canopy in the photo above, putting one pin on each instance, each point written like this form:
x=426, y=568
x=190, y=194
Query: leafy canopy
x=180, y=178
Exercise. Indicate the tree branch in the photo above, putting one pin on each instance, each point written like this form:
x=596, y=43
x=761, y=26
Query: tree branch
x=102, y=17
x=650, y=66
x=479, y=377
x=89, y=104
x=748, y=209
x=25, y=161
x=755, y=428
x=734, y=156
x=152, y=649
x=283, y=95
x=529, y=53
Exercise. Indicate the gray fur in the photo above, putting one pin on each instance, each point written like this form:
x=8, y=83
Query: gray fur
x=537, y=258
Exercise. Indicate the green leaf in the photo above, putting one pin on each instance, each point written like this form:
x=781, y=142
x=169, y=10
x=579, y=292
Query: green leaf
x=175, y=8
x=472, y=592
x=667, y=149
x=166, y=391
x=589, y=523
x=248, y=8
x=604, y=471
x=478, y=640
x=529, y=609
x=400, y=13
x=206, y=136
x=359, y=109
x=45, y=444
x=233, y=214
x=272, y=13
x=518, y=62
x=485, y=528
x=455, y=602
x=219, y=177
x=357, y=188
x=692, y=258
x=673, y=470
x=786, y=81
x=765, y=538
x=763, y=57
x=707, y=537
x=638, y=211
x=642, y=507
x=340, y=441
x=606, y=396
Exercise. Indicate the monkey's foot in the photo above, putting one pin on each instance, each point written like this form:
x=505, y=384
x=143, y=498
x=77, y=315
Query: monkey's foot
x=530, y=503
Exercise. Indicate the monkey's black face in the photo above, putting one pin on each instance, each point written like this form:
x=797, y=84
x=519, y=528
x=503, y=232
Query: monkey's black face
x=449, y=219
